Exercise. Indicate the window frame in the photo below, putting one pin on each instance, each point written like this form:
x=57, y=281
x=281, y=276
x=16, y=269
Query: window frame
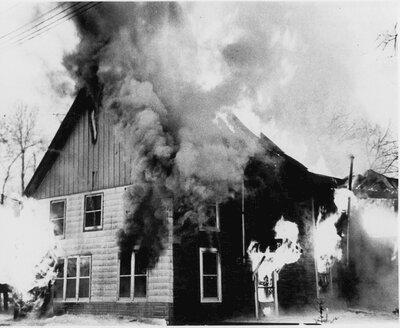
x=204, y=299
x=64, y=297
x=132, y=297
x=54, y=201
x=98, y=227
x=216, y=228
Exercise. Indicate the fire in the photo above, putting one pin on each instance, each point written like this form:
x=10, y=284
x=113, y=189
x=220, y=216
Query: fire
x=25, y=240
x=379, y=220
x=327, y=242
x=288, y=252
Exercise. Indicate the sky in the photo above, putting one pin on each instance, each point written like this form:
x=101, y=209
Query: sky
x=308, y=61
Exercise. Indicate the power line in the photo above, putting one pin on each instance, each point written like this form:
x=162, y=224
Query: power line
x=50, y=26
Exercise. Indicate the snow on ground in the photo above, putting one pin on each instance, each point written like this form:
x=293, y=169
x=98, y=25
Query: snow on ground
x=80, y=320
x=337, y=318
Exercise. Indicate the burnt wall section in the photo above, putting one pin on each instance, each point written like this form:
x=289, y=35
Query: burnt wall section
x=297, y=281
x=236, y=278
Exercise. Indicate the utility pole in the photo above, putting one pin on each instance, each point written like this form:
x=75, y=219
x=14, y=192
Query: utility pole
x=348, y=210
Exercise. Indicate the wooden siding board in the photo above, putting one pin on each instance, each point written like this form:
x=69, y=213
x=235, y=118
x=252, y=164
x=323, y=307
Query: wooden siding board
x=101, y=149
x=116, y=161
x=102, y=246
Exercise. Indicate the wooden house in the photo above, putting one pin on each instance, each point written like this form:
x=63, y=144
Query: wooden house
x=202, y=274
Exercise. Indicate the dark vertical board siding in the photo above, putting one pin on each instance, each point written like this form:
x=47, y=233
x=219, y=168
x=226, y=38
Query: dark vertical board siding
x=96, y=157
x=65, y=169
x=81, y=155
x=86, y=151
x=78, y=157
x=110, y=157
x=116, y=161
x=106, y=148
x=72, y=170
x=74, y=159
x=121, y=164
x=101, y=150
x=90, y=154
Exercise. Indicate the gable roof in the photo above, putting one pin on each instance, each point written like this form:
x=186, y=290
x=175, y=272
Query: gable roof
x=84, y=102
x=81, y=103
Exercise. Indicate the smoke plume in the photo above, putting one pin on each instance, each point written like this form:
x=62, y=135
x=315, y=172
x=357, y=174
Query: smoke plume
x=139, y=61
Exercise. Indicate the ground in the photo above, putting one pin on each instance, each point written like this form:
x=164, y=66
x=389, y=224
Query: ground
x=340, y=317
x=80, y=320
x=335, y=317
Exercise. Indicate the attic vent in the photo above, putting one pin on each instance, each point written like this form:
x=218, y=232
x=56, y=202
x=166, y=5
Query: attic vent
x=93, y=120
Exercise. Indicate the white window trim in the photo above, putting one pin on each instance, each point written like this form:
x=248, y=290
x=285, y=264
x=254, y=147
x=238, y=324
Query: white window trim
x=132, y=297
x=217, y=299
x=78, y=276
x=217, y=224
x=64, y=200
x=98, y=227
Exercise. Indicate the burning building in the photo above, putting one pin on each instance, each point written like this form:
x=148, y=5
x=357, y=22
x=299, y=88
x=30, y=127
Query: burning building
x=136, y=249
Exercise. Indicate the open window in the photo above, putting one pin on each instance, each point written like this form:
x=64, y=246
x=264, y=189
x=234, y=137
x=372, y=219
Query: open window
x=73, y=278
x=57, y=216
x=210, y=276
x=132, y=276
x=211, y=217
x=93, y=219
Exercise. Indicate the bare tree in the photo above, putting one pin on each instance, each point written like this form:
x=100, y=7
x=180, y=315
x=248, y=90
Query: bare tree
x=382, y=150
x=387, y=38
x=20, y=141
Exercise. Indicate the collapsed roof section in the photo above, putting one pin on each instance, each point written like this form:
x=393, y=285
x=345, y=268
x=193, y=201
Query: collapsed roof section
x=372, y=184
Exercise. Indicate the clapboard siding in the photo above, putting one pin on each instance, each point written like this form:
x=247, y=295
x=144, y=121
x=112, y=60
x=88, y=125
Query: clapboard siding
x=103, y=248
x=83, y=166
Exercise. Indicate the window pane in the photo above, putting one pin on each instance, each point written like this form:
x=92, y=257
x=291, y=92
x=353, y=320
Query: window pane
x=58, y=288
x=140, y=286
x=58, y=227
x=211, y=214
x=140, y=267
x=84, y=287
x=210, y=288
x=93, y=203
x=209, y=263
x=71, y=267
x=84, y=266
x=71, y=288
x=125, y=287
x=89, y=219
x=56, y=210
x=60, y=268
x=97, y=218
x=125, y=263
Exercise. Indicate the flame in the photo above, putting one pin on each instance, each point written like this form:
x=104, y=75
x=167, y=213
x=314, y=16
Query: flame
x=327, y=242
x=288, y=252
x=326, y=239
x=25, y=240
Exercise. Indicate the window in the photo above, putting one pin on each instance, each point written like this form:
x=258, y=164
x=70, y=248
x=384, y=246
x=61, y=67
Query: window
x=57, y=216
x=210, y=275
x=93, y=209
x=211, y=213
x=132, y=284
x=59, y=282
x=73, y=278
